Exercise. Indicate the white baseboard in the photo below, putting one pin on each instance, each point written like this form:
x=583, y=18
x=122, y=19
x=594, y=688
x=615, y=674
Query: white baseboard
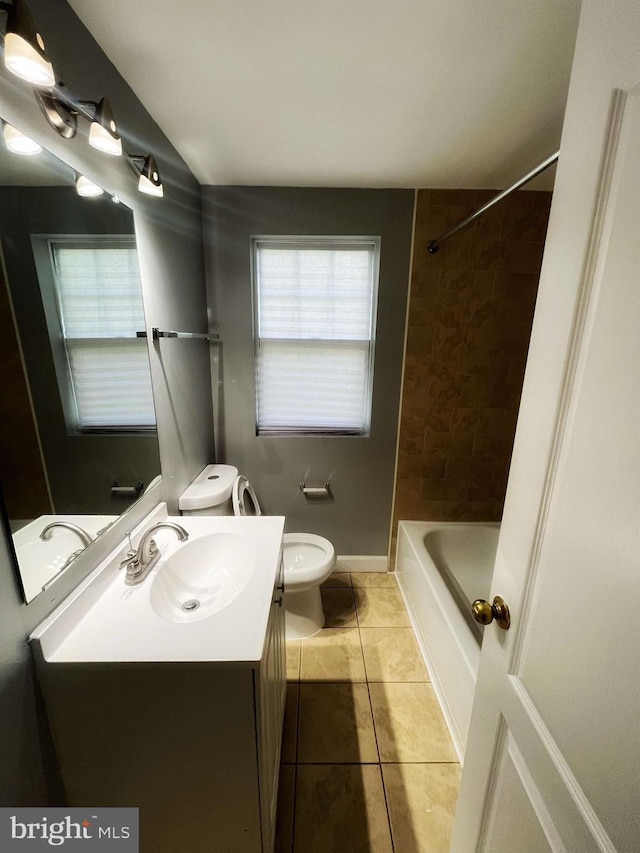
x=351, y=563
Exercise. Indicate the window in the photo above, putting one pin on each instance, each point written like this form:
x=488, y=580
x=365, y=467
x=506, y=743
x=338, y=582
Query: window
x=99, y=301
x=315, y=306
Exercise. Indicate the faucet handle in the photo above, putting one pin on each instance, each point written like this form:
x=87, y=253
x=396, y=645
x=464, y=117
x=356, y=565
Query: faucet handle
x=130, y=561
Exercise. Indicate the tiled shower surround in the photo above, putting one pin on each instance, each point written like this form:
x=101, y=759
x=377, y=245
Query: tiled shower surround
x=470, y=314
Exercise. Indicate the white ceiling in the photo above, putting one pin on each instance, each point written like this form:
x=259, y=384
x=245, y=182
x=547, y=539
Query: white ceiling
x=367, y=93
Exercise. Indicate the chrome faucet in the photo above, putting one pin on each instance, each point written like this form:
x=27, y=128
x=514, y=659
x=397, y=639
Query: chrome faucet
x=47, y=532
x=139, y=563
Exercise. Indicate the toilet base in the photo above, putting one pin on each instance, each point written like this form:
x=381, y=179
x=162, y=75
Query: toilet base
x=303, y=613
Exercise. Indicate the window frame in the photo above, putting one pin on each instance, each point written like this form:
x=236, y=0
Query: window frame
x=312, y=242
x=43, y=247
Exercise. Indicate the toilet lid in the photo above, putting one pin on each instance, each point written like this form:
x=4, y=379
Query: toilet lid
x=244, y=498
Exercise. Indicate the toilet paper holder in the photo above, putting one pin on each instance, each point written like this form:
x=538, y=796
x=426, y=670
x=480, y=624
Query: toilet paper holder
x=323, y=491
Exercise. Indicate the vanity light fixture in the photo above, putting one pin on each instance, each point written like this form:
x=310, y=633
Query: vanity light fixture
x=86, y=188
x=103, y=134
x=24, y=53
x=61, y=117
x=18, y=143
x=149, y=181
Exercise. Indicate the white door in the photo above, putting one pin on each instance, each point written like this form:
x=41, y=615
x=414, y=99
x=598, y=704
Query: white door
x=553, y=758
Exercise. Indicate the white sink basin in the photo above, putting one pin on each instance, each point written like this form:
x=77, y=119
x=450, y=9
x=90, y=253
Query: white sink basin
x=203, y=577
x=229, y=565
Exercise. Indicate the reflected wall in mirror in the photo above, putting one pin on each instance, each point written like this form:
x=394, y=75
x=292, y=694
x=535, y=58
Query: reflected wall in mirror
x=76, y=409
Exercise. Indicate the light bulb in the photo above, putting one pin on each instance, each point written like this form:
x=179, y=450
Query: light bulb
x=18, y=143
x=148, y=187
x=150, y=182
x=24, y=60
x=103, y=133
x=102, y=140
x=86, y=188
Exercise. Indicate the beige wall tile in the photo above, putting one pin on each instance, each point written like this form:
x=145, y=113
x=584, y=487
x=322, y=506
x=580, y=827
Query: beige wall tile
x=380, y=608
x=470, y=312
x=340, y=808
x=293, y=659
x=421, y=800
x=409, y=724
x=290, y=725
x=335, y=654
x=336, y=725
x=338, y=580
x=392, y=654
x=284, y=819
x=376, y=579
x=339, y=608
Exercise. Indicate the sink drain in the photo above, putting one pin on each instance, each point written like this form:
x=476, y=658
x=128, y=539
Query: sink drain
x=190, y=605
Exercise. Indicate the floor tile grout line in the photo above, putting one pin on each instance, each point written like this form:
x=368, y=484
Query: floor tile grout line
x=386, y=805
x=295, y=772
x=373, y=720
x=355, y=607
x=353, y=763
x=367, y=763
x=384, y=790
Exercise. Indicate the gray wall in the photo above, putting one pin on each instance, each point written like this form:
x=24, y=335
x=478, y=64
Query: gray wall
x=360, y=469
x=28, y=771
x=81, y=468
x=169, y=236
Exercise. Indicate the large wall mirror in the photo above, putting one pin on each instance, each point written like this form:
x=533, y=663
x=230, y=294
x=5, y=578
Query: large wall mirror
x=77, y=425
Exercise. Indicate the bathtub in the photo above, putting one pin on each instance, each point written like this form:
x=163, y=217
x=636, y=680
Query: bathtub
x=441, y=568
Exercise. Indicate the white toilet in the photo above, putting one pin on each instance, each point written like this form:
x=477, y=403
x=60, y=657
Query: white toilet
x=308, y=559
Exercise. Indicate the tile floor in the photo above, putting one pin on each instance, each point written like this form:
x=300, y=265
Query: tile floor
x=367, y=762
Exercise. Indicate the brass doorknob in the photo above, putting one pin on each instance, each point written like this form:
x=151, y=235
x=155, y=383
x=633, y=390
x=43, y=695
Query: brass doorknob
x=485, y=613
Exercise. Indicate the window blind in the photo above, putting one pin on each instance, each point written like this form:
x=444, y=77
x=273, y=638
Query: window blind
x=315, y=307
x=100, y=304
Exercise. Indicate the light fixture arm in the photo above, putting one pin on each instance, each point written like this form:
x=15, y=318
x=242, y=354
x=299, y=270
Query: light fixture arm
x=134, y=159
x=88, y=108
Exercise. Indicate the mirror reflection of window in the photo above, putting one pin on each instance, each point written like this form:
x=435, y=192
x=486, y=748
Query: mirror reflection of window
x=63, y=443
x=99, y=300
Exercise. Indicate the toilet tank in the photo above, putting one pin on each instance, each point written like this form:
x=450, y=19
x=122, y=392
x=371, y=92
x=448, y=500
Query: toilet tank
x=210, y=492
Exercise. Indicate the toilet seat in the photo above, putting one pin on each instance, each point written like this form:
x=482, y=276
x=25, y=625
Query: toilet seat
x=308, y=560
x=244, y=498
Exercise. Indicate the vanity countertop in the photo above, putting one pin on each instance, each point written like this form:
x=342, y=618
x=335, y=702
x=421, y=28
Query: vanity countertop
x=104, y=621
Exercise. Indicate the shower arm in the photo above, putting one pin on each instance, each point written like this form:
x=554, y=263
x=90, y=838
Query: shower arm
x=434, y=245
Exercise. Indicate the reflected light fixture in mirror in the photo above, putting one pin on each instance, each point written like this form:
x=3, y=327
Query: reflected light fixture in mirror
x=19, y=143
x=87, y=188
x=24, y=52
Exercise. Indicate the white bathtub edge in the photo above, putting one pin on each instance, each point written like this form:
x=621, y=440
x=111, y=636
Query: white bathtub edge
x=446, y=642
x=433, y=675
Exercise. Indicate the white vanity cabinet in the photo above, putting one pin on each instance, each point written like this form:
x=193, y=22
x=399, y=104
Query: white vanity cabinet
x=270, y=690
x=194, y=744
